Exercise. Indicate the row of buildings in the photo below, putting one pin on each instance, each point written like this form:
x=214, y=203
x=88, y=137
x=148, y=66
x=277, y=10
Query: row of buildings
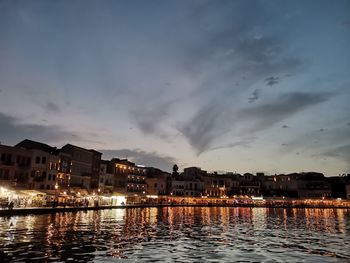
x=75, y=170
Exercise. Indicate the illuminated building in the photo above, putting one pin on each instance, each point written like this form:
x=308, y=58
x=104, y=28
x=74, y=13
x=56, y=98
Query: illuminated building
x=217, y=185
x=300, y=185
x=189, y=183
x=85, y=166
x=129, y=178
x=158, y=182
x=249, y=185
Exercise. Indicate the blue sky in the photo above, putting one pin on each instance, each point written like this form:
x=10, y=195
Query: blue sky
x=240, y=86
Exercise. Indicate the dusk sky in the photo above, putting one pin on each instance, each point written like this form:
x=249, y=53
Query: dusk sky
x=241, y=86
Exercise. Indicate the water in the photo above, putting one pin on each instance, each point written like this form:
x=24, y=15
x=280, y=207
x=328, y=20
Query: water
x=179, y=234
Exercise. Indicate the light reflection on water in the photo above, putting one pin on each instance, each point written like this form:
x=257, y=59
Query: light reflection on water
x=181, y=234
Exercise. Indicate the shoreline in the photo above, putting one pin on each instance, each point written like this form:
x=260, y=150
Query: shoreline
x=50, y=210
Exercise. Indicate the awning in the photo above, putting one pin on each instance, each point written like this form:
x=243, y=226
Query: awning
x=118, y=194
x=79, y=191
x=32, y=192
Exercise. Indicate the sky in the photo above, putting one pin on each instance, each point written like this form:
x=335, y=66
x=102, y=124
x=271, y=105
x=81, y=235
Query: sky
x=234, y=86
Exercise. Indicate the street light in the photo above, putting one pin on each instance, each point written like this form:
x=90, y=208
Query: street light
x=98, y=196
x=56, y=198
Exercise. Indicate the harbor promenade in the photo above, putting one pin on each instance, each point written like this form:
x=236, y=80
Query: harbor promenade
x=317, y=204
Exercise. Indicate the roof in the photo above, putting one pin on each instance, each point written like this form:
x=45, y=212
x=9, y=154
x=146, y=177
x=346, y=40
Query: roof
x=33, y=145
x=81, y=148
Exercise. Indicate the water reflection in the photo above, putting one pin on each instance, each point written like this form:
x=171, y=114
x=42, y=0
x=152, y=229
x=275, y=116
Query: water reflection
x=182, y=234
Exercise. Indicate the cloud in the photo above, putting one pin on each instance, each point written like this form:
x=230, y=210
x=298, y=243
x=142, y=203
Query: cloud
x=285, y=126
x=234, y=49
x=340, y=152
x=286, y=105
x=148, y=117
x=254, y=96
x=272, y=81
x=213, y=121
x=141, y=157
x=52, y=107
x=244, y=142
x=11, y=131
x=202, y=129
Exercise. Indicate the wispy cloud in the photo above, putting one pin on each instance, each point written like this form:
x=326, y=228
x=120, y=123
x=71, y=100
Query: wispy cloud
x=243, y=142
x=286, y=105
x=254, y=96
x=272, y=81
x=340, y=152
x=12, y=130
x=214, y=121
x=235, y=55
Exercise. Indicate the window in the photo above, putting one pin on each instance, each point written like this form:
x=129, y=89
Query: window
x=53, y=177
x=9, y=158
x=3, y=157
x=49, y=178
x=48, y=187
x=43, y=160
x=155, y=185
x=37, y=159
x=28, y=161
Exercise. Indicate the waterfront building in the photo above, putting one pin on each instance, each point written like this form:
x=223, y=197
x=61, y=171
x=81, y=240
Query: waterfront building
x=189, y=183
x=347, y=189
x=15, y=166
x=85, y=167
x=338, y=185
x=95, y=169
x=106, y=182
x=44, y=165
x=129, y=178
x=220, y=185
x=249, y=185
x=300, y=185
x=64, y=171
x=158, y=182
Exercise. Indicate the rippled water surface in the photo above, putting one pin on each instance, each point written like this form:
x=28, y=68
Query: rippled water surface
x=179, y=234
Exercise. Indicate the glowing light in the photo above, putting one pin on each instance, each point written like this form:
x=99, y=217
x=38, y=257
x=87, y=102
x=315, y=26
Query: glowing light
x=120, y=200
x=152, y=196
